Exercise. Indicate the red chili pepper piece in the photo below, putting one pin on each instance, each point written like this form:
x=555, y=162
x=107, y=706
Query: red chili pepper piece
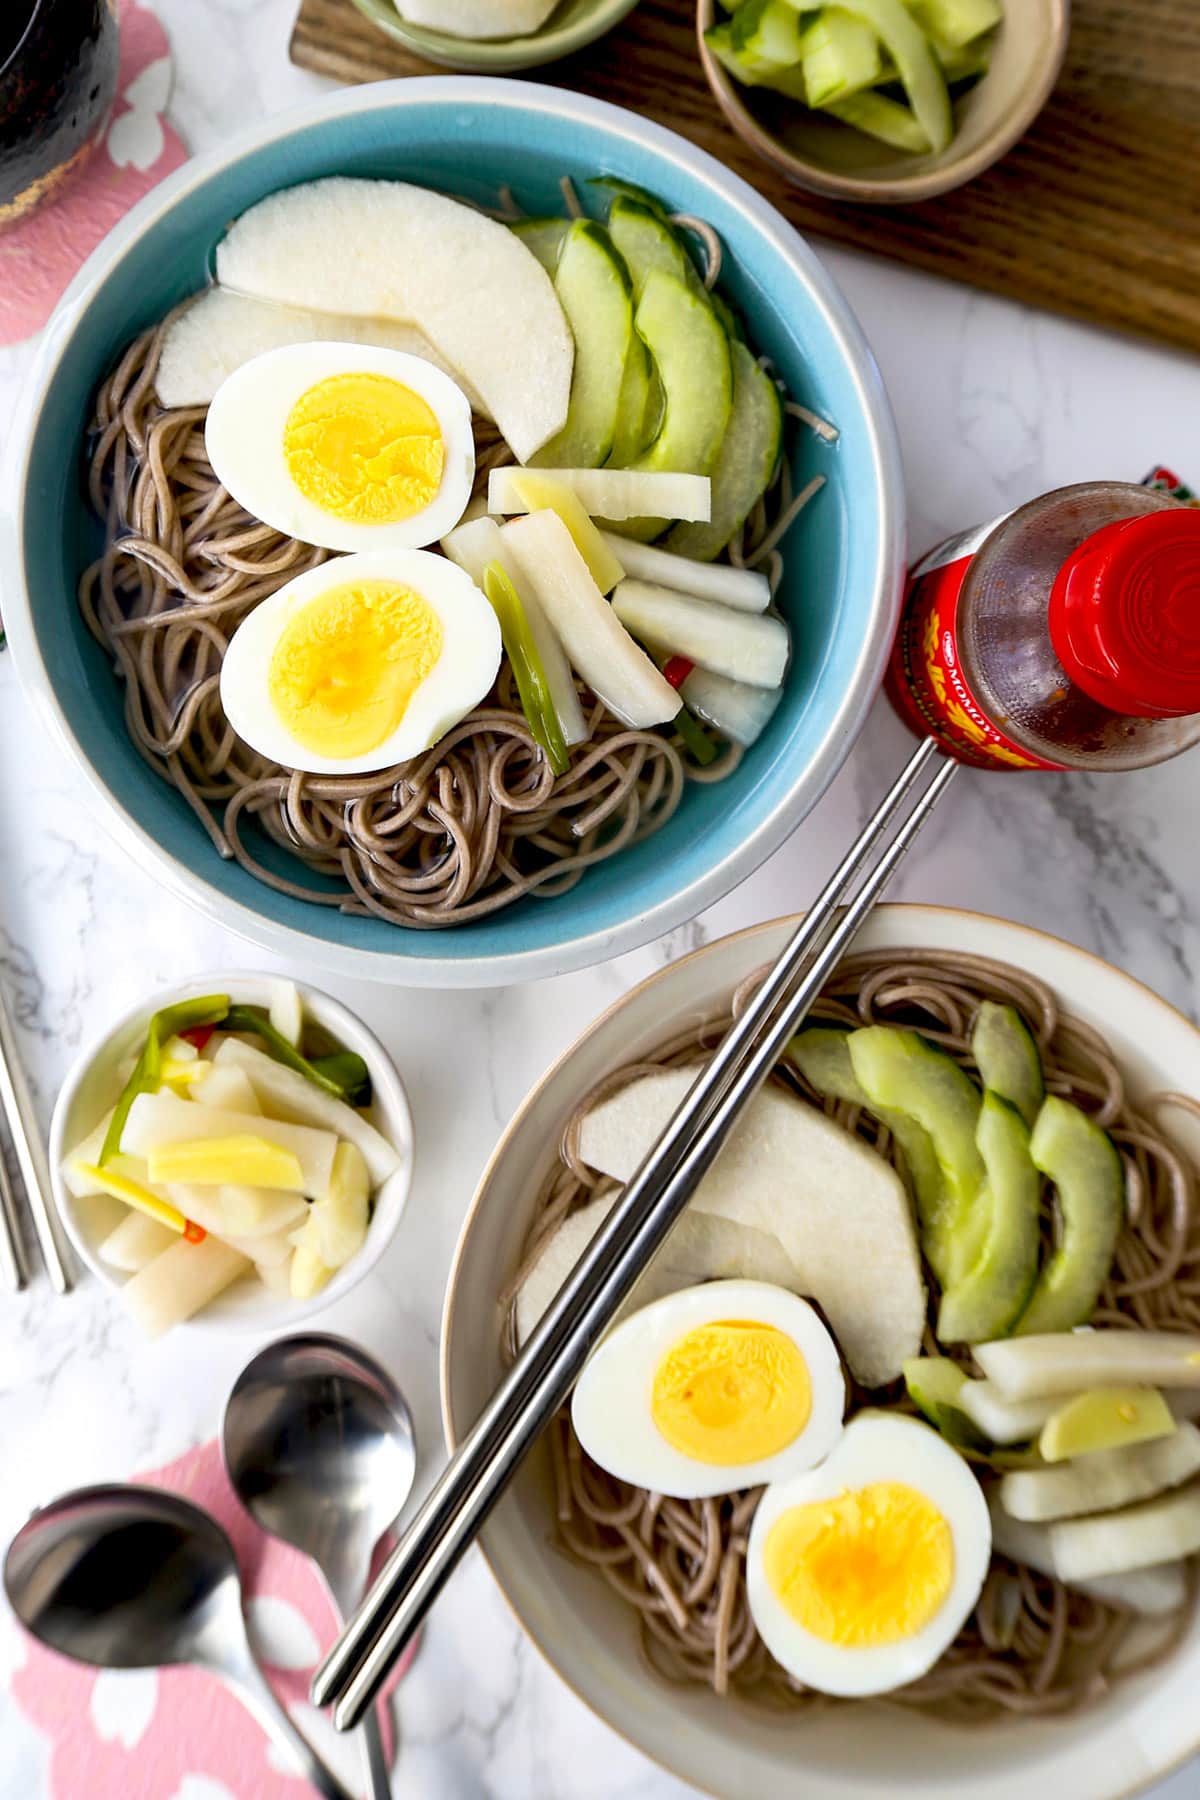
x=677, y=669
x=195, y=1234
x=198, y=1036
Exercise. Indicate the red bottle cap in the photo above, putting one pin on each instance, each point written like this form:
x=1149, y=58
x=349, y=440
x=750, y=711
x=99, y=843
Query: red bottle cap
x=1125, y=615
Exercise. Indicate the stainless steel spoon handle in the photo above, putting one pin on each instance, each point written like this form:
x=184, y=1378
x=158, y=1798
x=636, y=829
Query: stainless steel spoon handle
x=242, y=1674
x=375, y=1762
x=347, y=1584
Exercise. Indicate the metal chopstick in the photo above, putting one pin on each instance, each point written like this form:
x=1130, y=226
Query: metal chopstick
x=542, y=1376
x=16, y=1102
x=12, y=1250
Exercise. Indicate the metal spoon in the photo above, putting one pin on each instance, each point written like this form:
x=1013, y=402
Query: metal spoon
x=130, y=1578
x=319, y=1446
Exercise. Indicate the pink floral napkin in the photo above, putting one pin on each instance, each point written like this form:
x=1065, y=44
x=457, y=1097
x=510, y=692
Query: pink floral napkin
x=177, y=1734
x=40, y=254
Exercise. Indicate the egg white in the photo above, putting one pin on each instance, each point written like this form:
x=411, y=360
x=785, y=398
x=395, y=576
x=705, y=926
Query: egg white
x=244, y=434
x=611, y=1407
x=875, y=1446
x=462, y=675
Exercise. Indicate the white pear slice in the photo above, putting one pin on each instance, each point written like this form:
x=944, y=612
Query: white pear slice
x=839, y=1210
x=388, y=250
x=701, y=1247
x=478, y=18
x=221, y=330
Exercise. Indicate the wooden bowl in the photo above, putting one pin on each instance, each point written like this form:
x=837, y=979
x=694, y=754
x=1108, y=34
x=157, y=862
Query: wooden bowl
x=58, y=75
x=826, y=157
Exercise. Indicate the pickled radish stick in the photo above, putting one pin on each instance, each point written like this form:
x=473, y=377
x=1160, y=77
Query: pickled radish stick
x=741, y=646
x=746, y=590
x=596, y=643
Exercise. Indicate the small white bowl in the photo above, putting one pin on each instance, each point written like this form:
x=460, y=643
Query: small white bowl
x=93, y=1084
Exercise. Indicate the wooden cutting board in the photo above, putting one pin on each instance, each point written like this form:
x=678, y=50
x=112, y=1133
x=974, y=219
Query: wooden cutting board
x=1096, y=213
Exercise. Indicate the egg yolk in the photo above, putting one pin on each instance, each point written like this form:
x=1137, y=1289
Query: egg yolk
x=346, y=665
x=868, y=1567
x=733, y=1391
x=364, y=448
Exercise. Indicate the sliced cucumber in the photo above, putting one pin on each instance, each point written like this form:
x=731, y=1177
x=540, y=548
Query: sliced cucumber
x=767, y=34
x=934, y=1385
x=900, y=1069
x=646, y=241
x=885, y=119
x=692, y=355
x=923, y=80
x=986, y=1301
x=839, y=56
x=963, y=62
x=634, y=427
x=619, y=188
x=822, y=1054
x=752, y=70
x=545, y=237
x=1007, y=1057
x=1083, y=1163
x=956, y=22
x=745, y=462
x=593, y=286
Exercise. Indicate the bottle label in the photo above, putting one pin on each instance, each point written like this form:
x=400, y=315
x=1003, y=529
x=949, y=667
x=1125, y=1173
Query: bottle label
x=925, y=681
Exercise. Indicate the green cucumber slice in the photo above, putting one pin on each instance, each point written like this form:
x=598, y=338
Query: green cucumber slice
x=619, y=188
x=1006, y=1055
x=934, y=1384
x=899, y=1068
x=592, y=283
x=691, y=353
x=1082, y=1161
x=767, y=34
x=839, y=56
x=647, y=241
x=986, y=1302
x=745, y=461
x=956, y=22
x=963, y=62
x=545, y=237
x=924, y=83
x=822, y=1054
x=888, y=120
x=637, y=421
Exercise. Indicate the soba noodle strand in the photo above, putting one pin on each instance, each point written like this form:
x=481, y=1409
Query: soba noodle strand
x=1032, y=1645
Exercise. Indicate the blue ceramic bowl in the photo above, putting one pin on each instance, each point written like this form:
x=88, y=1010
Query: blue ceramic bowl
x=468, y=135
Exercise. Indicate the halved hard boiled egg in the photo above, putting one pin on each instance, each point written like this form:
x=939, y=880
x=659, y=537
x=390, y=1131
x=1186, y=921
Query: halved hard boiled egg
x=712, y=1389
x=344, y=445
x=860, y=1573
x=361, y=663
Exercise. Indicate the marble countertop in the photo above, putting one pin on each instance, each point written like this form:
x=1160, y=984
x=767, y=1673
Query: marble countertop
x=995, y=404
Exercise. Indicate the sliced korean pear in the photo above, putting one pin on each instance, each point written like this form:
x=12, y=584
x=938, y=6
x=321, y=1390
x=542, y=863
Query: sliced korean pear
x=388, y=249
x=221, y=330
x=1083, y=1163
x=745, y=463
x=1105, y=1419
x=211, y=1162
x=592, y=283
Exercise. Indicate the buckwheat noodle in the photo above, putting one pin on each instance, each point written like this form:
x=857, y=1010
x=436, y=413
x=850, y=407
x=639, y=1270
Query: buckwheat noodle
x=1032, y=1646
x=476, y=823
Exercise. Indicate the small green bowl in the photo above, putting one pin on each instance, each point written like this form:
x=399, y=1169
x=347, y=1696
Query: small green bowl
x=571, y=26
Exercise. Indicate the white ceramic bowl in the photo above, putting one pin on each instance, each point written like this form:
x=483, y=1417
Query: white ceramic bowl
x=93, y=1084
x=586, y=1632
